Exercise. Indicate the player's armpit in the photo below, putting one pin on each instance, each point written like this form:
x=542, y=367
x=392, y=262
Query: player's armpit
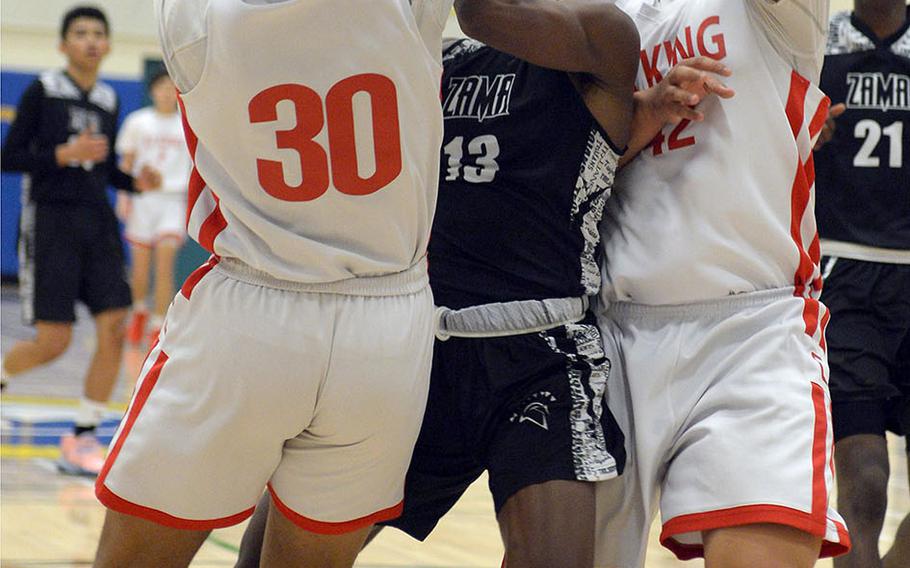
x=797, y=28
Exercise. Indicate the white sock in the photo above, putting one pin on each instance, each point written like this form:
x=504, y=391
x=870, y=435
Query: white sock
x=90, y=412
x=140, y=306
x=155, y=321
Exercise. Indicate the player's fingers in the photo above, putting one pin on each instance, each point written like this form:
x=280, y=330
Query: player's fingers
x=712, y=85
x=837, y=110
x=678, y=95
x=682, y=74
x=682, y=111
x=707, y=64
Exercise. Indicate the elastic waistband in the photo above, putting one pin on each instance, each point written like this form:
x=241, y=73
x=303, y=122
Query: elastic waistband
x=720, y=307
x=509, y=318
x=403, y=283
x=865, y=253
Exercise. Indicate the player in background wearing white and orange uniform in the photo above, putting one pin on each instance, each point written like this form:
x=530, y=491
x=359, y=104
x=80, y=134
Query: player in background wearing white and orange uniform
x=711, y=285
x=156, y=222
x=298, y=356
x=863, y=164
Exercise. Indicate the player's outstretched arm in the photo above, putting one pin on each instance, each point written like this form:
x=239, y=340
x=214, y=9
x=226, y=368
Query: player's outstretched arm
x=590, y=37
x=582, y=36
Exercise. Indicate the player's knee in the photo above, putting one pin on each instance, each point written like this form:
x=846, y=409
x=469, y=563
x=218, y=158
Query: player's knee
x=869, y=501
x=111, y=327
x=54, y=344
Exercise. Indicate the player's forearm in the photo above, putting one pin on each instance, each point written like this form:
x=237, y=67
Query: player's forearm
x=19, y=156
x=645, y=126
x=574, y=36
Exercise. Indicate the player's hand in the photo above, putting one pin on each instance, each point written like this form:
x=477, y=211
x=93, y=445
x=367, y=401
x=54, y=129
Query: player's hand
x=149, y=179
x=122, y=206
x=675, y=97
x=88, y=147
x=828, y=129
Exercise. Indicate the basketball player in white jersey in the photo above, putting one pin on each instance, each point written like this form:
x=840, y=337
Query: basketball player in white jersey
x=155, y=223
x=297, y=358
x=711, y=286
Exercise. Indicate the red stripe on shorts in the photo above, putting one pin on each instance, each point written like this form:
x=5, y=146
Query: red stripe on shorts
x=321, y=527
x=145, y=389
x=819, y=455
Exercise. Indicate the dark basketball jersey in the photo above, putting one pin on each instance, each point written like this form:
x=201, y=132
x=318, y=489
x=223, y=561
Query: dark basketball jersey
x=524, y=175
x=864, y=171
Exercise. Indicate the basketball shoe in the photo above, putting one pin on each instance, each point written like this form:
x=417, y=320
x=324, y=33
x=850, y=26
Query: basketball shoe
x=80, y=455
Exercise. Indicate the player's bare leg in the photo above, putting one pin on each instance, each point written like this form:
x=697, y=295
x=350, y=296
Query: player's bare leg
x=105, y=365
x=899, y=555
x=138, y=543
x=862, y=496
x=251, y=543
x=165, y=254
x=549, y=524
x=761, y=546
x=140, y=271
x=287, y=545
x=50, y=342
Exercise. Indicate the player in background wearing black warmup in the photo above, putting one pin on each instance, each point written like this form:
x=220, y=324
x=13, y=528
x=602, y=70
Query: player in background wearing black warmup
x=69, y=242
x=863, y=165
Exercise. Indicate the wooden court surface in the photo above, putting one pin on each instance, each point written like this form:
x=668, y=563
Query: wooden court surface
x=50, y=520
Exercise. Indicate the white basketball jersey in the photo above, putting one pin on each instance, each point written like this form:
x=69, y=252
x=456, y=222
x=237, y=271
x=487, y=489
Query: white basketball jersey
x=724, y=206
x=157, y=140
x=315, y=130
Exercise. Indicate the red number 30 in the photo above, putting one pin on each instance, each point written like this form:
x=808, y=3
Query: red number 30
x=342, y=151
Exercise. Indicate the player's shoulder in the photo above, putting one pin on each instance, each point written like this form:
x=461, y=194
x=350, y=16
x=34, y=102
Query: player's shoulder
x=56, y=85
x=845, y=37
x=454, y=50
x=902, y=45
x=139, y=117
x=103, y=95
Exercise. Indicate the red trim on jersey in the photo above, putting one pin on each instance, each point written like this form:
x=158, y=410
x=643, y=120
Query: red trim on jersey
x=191, y=139
x=321, y=527
x=196, y=185
x=818, y=121
x=825, y=317
x=193, y=279
x=212, y=226
x=742, y=516
x=215, y=222
x=116, y=503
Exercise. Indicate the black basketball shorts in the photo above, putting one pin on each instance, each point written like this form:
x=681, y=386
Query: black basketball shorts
x=868, y=341
x=527, y=408
x=70, y=252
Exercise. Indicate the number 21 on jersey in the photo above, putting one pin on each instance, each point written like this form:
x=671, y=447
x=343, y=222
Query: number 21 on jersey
x=339, y=160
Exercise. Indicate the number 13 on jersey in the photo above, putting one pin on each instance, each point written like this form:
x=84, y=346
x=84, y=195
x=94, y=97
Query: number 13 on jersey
x=340, y=158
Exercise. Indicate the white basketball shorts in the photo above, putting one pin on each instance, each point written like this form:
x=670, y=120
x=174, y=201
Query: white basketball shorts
x=317, y=395
x=155, y=216
x=727, y=412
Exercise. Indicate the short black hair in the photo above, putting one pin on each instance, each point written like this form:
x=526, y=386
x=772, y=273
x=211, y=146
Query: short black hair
x=157, y=75
x=83, y=12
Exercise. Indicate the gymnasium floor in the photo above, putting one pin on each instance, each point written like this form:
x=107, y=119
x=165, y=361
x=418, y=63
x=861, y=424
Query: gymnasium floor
x=49, y=520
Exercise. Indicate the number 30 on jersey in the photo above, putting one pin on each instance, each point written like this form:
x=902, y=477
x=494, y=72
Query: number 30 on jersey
x=316, y=161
